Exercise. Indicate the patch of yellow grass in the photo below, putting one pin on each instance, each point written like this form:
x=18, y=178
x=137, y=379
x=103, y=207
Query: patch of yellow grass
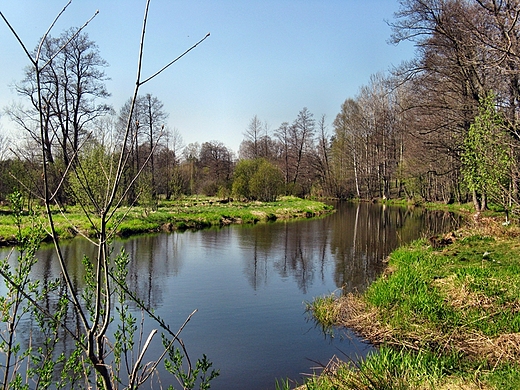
x=355, y=314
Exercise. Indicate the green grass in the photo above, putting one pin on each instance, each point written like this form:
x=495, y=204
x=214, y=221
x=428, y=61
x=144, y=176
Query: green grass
x=390, y=369
x=188, y=213
x=455, y=309
x=394, y=369
x=473, y=284
x=324, y=310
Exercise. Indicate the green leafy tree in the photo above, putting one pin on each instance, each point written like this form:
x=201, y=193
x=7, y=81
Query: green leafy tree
x=88, y=183
x=267, y=182
x=486, y=157
x=257, y=179
x=244, y=170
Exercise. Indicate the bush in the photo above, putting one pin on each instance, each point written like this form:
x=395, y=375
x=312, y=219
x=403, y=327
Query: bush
x=257, y=179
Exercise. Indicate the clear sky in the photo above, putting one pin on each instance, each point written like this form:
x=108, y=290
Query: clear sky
x=268, y=58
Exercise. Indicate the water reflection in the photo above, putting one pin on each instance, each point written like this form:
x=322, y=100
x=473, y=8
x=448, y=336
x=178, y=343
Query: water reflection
x=295, y=249
x=357, y=238
x=249, y=282
x=365, y=235
x=153, y=258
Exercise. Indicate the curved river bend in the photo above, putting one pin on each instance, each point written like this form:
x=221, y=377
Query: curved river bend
x=249, y=284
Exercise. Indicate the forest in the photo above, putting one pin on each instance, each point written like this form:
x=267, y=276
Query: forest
x=441, y=127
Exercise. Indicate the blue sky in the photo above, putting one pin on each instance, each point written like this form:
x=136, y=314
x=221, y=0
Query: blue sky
x=266, y=58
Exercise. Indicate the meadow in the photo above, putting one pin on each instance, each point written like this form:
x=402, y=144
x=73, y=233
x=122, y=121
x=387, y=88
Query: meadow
x=196, y=212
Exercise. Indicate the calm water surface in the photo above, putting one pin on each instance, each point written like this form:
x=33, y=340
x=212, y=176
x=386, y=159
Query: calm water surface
x=249, y=285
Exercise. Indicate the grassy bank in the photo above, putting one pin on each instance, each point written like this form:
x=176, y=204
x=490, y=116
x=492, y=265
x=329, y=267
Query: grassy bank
x=446, y=315
x=188, y=213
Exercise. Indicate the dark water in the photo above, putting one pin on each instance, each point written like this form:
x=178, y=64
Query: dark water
x=249, y=285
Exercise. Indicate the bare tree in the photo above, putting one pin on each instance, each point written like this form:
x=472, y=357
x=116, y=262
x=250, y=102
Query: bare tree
x=348, y=147
x=449, y=78
x=155, y=120
x=147, y=130
x=4, y=145
x=191, y=155
x=282, y=133
x=169, y=156
x=323, y=160
x=257, y=141
x=71, y=83
x=136, y=137
x=216, y=163
x=250, y=147
x=301, y=137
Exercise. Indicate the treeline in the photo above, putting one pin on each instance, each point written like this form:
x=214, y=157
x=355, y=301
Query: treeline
x=440, y=127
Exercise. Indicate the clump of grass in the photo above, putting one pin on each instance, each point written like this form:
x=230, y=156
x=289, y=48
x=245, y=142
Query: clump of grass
x=136, y=226
x=406, y=297
x=325, y=310
x=505, y=377
x=283, y=384
x=389, y=368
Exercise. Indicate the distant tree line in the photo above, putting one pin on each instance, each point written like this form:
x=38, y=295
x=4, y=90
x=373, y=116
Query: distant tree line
x=440, y=127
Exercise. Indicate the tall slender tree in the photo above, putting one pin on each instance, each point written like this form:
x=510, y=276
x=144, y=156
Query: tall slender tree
x=347, y=147
x=301, y=137
x=282, y=134
x=154, y=121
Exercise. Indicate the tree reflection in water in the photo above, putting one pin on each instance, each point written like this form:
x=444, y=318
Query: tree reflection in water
x=249, y=284
x=358, y=237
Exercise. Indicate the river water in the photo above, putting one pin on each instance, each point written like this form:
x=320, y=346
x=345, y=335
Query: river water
x=250, y=284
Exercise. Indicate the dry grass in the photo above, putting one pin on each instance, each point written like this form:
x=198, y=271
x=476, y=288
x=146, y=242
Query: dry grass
x=355, y=314
x=461, y=297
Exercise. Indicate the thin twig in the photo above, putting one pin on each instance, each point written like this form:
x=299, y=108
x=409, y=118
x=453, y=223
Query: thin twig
x=66, y=43
x=44, y=37
x=175, y=338
x=42, y=310
x=18, y=37
x=136, y=176
x=119, y=170
x=69, y=166
x=133, y=375
x=175, y=60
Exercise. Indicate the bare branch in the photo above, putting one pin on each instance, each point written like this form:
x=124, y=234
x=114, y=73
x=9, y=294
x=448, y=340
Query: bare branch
x=175, y=60
x=17, y=37
x=66, y=43
x=133, y=375
x=122, y=157
x=49, y=30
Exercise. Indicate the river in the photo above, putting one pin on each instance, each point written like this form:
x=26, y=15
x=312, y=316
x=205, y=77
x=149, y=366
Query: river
x=250, y=284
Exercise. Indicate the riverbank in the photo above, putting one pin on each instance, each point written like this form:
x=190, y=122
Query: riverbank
x=445, y=315
x=187, y=213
